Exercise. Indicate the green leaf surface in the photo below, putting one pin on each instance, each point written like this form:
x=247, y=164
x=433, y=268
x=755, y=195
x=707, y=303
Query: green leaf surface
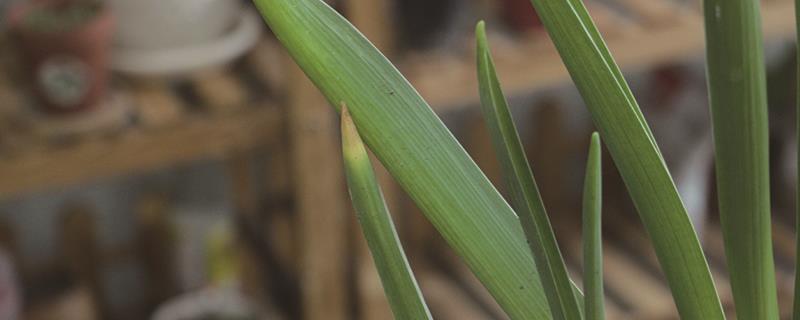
x=525, y=197
x=737, y=91
x=376, y=223
x=635, y=153
x=592, y=237
x=416, y=148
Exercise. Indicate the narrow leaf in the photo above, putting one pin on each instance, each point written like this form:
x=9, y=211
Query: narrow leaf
x=416, y=148
x=592, y=236
x=632, y=146
x=525, y=196
x=737, y=90
x=376, y=223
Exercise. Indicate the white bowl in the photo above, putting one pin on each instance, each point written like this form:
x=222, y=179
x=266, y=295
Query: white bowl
x=178, y=59
x=155, y=24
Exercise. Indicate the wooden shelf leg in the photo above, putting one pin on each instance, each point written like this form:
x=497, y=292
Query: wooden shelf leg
x=320, y=201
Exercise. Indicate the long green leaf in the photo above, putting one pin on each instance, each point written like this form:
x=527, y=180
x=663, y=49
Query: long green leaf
x=525, y=196
x=630, y=142
x=397, y=278
x=796, y=307
x=592, y=237
x=416, y=148
x=737, y=90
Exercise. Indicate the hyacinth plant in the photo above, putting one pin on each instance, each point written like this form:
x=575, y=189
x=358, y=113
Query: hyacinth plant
x=509, y=243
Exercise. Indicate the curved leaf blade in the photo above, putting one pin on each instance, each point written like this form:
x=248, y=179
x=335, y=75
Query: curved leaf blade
x=525, y=197
x=415, y=147
x=402, y=291
x=630, y=142
x=738, y=96
x=592, y=235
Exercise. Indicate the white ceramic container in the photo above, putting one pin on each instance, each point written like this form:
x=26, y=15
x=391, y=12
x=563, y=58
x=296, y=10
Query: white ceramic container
x=158, y=24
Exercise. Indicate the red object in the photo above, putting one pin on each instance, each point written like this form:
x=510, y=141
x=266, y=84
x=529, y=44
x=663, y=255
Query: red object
x=68, y=69
x=520, y=15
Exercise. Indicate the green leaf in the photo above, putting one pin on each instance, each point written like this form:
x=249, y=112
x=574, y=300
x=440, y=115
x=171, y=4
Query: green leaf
x=397, y=278
x=635, y=153
x=525, y=196
x=737, y=90
x=592, y=236
x=416, y=148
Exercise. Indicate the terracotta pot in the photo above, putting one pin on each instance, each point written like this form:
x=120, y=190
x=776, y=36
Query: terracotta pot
x=67, y=68
x=520, y=15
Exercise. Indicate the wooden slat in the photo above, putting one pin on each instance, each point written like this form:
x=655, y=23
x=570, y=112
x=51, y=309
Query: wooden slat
x=458, y=88
x=479, y=145
x=196, y=138
x=653, y=13
x=374, y=19
x=220, y=90
x=265, y=61
x=155, y=239
x=549, y=152
x=320, y=198
x=783, y=239
x=281, y=234
x=240, y=175
x=371, y=297
x=81, y=254
x=156, y=104
x=8, y=242
x=651, y=298
x=610, y=22
x=278, y=178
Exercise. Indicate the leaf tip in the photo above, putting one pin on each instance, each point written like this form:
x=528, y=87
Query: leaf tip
x=595, y=139
x=480, y=35
x=351, y=140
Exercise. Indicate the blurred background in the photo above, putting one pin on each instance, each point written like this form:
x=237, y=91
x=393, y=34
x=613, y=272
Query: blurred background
x=165, y=159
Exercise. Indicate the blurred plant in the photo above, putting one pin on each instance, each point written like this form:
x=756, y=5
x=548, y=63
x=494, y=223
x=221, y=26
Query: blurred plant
x=50, y=16
x=500, y=244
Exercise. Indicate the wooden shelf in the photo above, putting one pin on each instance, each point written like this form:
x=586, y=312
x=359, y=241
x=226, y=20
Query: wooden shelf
x=136, y=151
x=210, y=115
x=654, y=33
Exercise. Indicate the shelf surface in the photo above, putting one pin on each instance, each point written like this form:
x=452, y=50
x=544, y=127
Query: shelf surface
x=215, y=113
x=210, y=115
x=649, y=33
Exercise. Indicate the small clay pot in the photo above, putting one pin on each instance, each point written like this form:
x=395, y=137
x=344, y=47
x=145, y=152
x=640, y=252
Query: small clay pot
x=66, y=67
x=520, y=15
